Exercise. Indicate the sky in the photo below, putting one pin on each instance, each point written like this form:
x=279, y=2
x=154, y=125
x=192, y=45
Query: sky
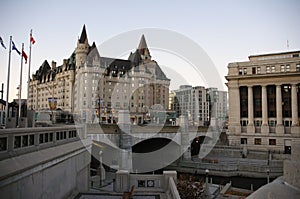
x=227, y=31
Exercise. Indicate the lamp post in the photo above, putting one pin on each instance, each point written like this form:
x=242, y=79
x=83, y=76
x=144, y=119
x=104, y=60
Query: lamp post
x=99, y=108
x=206, y=190
x=268, y=176
x=206, y=174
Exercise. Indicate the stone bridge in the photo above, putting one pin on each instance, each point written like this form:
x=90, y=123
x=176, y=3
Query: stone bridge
x=146, y=148
x=111, y=133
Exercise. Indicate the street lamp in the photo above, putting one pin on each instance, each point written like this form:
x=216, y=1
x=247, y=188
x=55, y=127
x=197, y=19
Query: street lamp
x=206, y=174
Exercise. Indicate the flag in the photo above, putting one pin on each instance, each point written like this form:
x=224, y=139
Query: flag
x=2, y=43
x=15, y=48
x=25, y=56
x=32, y=41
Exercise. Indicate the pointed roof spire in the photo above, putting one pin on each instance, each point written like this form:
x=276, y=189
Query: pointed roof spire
x=83, y=36
x=143, y=43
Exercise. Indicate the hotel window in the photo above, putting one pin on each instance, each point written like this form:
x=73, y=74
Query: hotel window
x=282, y=68
x=298, y=67
x=272, y=141
x=268, y=69
x=243, y=140
x=257, y=141
x=245, y=71
x=253, y=70
x=287, y=68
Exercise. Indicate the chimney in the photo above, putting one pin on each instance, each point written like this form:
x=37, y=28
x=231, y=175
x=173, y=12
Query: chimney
x=53, y=64
x=65, y=62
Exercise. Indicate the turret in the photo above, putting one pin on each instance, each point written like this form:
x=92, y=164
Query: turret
x=143, y=49
x=82, y=48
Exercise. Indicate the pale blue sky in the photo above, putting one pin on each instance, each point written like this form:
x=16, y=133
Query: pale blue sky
x=228, y=31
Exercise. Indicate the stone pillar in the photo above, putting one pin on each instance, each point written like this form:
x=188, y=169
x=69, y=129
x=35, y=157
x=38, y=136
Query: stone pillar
x=234, y=125
x=291, y=172
x=250, y=127
x=264, y=126
x=101, y=170
x=166, y=176
x=279, y=125
x=125, y=140
x=122, y=181
x=295, y=121
x=183, y=123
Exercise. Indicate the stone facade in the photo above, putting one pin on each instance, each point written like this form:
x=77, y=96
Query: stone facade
x=52, y=82
x=264, y=99
x=92, y=86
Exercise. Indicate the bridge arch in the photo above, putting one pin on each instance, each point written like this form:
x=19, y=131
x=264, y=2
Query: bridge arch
x=154, y=153
x=197, y=142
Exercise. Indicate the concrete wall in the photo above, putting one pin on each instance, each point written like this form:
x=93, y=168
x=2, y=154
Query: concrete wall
x=58, y=181
x=146, y=182
x=55, y=172
x=291, y=167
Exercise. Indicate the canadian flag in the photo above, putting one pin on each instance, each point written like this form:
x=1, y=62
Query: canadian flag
x=25, y=56
x=32, y=39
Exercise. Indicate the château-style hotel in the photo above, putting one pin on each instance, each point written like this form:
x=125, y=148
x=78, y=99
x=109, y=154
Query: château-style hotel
x=90, y=86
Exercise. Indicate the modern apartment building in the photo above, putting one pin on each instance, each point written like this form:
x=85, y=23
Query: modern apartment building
x=191, y=102
x=264, y=98
x=217, y=107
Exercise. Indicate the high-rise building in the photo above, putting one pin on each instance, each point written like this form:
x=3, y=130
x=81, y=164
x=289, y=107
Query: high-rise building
x=264, y=98
x=203, y=106
x=90, y=86
x=191, y=102
x=217, y=106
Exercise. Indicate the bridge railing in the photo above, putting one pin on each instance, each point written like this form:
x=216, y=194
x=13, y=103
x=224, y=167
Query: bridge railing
x=14, y=142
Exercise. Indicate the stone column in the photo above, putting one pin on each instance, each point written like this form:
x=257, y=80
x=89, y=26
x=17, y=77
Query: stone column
x=250, y=127
x=234, y=125
x=264, y=127
x=125, y=140
x=185, y=143
x=279, y=126
x=295, y=121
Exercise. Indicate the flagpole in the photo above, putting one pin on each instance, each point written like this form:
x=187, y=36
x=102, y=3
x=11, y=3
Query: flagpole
x=29, y=64
x=7, y=83
x=20, y=87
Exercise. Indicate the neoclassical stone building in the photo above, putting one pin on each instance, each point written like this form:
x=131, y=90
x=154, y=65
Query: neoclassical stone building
x=264, y=98
x=91, y=86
